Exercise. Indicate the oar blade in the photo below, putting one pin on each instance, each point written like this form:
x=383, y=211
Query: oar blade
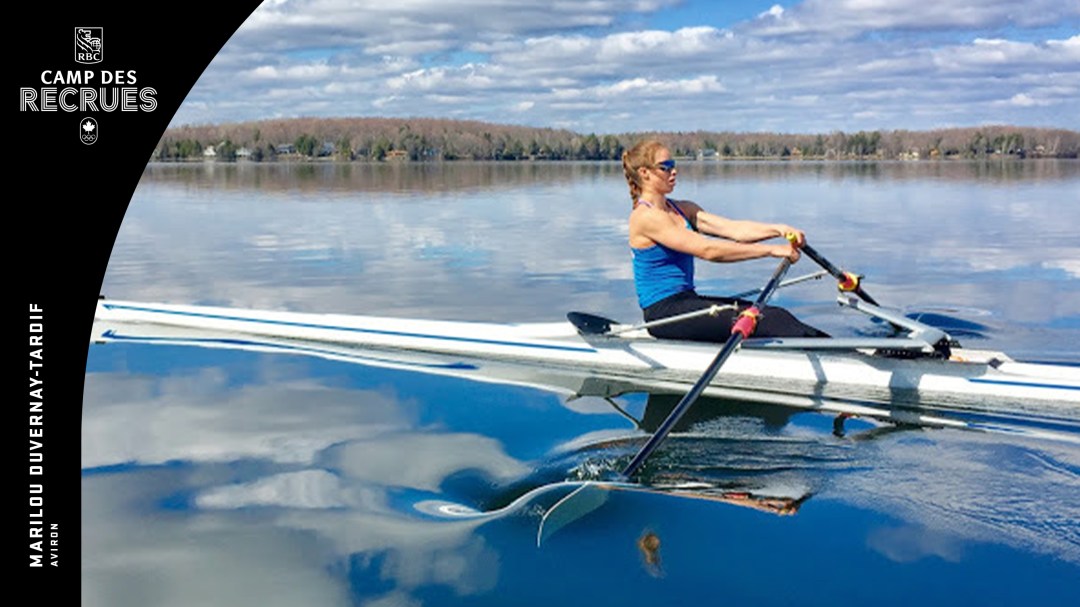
x=575, y=506
x=590, y=324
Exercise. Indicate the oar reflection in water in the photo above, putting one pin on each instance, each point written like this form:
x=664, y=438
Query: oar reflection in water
x=734, y=452
x=723, y=451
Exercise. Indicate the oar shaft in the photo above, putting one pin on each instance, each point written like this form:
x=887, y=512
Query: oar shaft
x=786, y=283
x=812, y=253
x=710, y=311
x=742, y=330
x=676, y=414
x=837, y=273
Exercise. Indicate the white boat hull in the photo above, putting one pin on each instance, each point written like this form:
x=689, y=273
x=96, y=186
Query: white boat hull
x=970, y=380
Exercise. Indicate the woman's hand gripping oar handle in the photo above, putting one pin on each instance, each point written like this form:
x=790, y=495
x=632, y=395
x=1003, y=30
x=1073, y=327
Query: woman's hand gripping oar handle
x=847, y=281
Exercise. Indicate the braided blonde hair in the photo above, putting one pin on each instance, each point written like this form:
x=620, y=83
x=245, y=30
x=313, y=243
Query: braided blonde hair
x=641, y=155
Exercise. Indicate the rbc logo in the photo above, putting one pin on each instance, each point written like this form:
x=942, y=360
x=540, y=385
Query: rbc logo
x=88, y=44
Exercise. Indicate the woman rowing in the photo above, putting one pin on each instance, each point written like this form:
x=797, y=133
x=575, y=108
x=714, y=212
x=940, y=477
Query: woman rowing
x=667, y=235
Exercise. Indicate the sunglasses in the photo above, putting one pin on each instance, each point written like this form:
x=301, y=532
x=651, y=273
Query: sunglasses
x=666, y=166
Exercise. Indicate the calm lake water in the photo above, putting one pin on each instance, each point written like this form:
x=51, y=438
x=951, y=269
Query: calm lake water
x=231, y=477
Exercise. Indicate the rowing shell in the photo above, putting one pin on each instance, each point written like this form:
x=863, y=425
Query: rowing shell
x=761, y=370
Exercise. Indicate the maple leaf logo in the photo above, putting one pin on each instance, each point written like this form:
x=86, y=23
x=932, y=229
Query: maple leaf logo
x=88, y=130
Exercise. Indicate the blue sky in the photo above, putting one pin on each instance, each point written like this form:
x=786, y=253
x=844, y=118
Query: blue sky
x=614, y=66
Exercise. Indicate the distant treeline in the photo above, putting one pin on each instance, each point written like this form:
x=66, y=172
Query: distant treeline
x=348, y=139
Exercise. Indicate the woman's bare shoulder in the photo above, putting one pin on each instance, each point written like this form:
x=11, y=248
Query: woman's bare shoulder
x=646, y=212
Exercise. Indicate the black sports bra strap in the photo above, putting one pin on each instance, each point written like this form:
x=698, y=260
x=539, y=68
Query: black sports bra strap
x=679, y=211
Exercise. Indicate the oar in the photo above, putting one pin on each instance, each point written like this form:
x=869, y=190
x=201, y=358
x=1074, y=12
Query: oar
x=786, y=283
x=743, y=328
x=589, y=324
x=848, y=281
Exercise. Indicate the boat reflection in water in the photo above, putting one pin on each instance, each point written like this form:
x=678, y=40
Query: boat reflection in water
x=440, y=494
x=724, y=451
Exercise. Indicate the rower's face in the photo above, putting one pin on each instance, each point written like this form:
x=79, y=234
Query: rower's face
x=661, y=173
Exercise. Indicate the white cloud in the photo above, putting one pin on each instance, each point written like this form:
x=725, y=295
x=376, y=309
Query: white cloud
x=467, y=76
x=997, y=53
x=1024, y=100
x=947, y=64
x=775, y=11
x=855, y=17
x=659, y=88
x=1070, y=266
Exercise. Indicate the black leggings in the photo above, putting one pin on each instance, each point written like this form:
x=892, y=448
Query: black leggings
x=773, y=322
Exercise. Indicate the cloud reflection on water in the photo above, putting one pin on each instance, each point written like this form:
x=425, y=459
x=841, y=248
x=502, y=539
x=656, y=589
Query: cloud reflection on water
x=275, y=467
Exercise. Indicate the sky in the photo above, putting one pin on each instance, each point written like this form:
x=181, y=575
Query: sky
x=620, y=66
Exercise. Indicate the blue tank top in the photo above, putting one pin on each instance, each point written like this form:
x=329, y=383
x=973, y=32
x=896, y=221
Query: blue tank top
x=661, y=272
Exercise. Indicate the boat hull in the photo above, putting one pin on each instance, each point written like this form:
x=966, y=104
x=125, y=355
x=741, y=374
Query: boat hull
x=970, y=380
